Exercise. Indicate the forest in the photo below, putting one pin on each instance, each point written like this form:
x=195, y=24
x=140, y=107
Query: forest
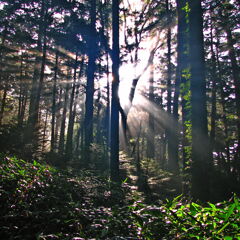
x=119, y=119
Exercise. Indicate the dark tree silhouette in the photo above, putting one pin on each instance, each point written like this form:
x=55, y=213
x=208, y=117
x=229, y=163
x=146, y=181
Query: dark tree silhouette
x=200, y=141
x=114, y=164
x=88, y=122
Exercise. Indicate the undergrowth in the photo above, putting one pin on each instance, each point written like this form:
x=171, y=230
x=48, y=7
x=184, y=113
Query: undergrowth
x=40, y=202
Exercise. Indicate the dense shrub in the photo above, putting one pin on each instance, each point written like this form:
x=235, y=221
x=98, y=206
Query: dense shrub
x=40, y=202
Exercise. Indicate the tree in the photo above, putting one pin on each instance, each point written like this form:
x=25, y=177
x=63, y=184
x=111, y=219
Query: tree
x=151, y=124
x=114, y=162
x=54, y=91
x=88, y=122
x=236, y=78
x=182, y=87
x=200, y=141
x=64, y=114
x=37, y=80
x=171, y=132
x=72, y=111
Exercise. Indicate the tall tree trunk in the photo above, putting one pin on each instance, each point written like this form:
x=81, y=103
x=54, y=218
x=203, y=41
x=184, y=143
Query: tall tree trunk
x=169, y=64
x=171, y=130
x=44, y=132
x=4, y=35
x=107, y=121
x=104, y=33
x=40, y=85
x=3, y=104
x=214, y=79
x=223, y=103
x=24, y=106
x=63, y=123
x=98, y=118
x=21, y=95
x=180, y=32
x=151, y=127
x=37, y=83
x=25, y=97
x=200, y=142
x=236, y=79
x=69, y=141
x=88, y=122
x=2, y=55
x=54, y=92
x=80, y=133
x=58, y=117
x=182, y=77
x=114, y=163
x=33, y=93
x=74, y=112
x=163, y=144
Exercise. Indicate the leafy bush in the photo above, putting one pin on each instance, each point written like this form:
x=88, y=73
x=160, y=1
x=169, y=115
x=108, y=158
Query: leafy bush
x=40, y=202
x=191, y=220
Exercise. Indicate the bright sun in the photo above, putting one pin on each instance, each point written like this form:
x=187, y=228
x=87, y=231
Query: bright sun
x=126, y=73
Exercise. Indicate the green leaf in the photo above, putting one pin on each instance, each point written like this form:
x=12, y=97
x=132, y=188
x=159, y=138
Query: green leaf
x=230, y=211
x=212, y=206
x=236, y=201
x=223, y=227
x=228, y=238
x=125, y=180
x=235, y=226
x=177, y=198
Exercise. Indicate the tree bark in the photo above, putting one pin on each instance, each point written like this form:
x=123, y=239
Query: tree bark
x=200, y=142
x=114, y=163
x=214, y=79
x=88, y=122
x=3, y=104
x=223, y=103
x=181, y=87
x=69, y=142
x=21, y=96
x=151, y=127
x=171, y=131
x=58, y=117
x=54, y=92
x=44, y=132
x=63, y=123
x=224, y=14
x=236, y=79
x=37, y=83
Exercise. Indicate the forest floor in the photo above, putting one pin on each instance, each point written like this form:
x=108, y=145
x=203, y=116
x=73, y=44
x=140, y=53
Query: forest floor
x=39, y=202
x=154, y=183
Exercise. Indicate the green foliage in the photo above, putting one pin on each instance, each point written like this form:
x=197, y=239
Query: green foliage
x=186, y=8
x=189, y=221
x=185, y=87
x=40, y=202
x=150, y=167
